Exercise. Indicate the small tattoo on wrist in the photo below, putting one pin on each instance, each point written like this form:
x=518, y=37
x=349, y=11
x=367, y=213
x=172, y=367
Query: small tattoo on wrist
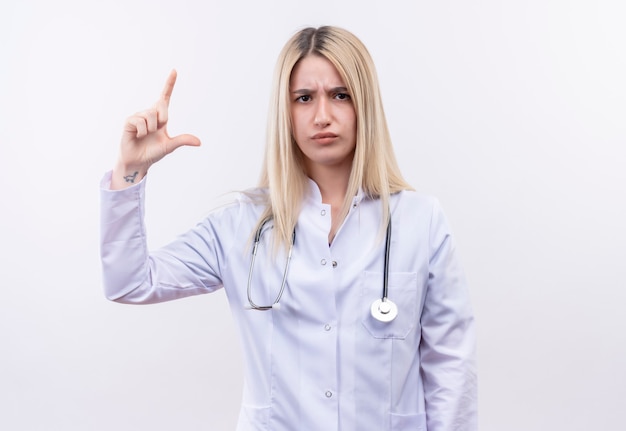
x=131, y=178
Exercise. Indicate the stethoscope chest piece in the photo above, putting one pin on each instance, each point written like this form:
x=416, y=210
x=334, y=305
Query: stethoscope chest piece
x=384, y=310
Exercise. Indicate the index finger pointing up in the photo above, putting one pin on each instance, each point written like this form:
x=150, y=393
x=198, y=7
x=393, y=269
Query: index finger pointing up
x=169, y=87
x=163, y=103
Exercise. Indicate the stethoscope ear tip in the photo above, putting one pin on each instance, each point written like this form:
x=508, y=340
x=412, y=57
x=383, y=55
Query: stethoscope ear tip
x=276, y=306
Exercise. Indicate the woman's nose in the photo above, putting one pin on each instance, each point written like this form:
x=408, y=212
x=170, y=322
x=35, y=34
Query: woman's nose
x=322, y=114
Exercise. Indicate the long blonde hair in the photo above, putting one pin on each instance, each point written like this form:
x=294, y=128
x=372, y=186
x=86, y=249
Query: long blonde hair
x=374, y=167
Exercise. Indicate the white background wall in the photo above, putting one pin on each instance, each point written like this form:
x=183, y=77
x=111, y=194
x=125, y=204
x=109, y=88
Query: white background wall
x=513, y=113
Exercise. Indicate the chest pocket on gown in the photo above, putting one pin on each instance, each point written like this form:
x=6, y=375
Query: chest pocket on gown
x=403, y=290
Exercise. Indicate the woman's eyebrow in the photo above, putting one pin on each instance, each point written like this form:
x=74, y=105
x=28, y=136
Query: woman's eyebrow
x=330, y=90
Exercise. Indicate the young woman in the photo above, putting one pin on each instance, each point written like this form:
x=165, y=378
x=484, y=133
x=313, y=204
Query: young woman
x=344, y=283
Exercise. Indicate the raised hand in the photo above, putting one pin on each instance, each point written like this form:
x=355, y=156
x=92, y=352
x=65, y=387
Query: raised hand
x=145, y=140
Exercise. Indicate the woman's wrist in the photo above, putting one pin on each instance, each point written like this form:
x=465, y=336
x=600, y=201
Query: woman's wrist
x=124, y=176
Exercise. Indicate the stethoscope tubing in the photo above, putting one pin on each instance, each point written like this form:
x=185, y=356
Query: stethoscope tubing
x=257, y=239
x=382, y=309
x=386, y=264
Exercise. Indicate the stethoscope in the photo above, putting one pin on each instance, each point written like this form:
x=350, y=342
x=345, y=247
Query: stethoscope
x=382, y=309
x=257, y=238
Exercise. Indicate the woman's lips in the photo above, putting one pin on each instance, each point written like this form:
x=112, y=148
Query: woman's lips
x=324, y=137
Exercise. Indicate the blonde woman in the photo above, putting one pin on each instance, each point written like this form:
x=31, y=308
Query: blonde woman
x=344, y=283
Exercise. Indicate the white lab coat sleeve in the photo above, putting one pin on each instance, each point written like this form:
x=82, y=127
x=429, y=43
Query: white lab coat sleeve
x=447, y=349
x=190, y=265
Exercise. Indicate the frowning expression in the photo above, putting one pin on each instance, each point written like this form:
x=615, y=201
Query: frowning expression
x=322, y=115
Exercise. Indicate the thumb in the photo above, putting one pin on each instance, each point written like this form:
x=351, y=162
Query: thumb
x=183, y=140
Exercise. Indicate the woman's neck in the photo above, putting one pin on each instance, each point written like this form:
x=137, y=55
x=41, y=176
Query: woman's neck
x=333, y=185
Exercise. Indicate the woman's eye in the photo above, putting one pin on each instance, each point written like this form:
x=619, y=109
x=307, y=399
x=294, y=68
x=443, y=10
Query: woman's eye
x=304, y=98
x=342, y=96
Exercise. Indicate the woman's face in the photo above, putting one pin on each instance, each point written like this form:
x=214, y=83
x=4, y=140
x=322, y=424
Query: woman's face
x=322, y=115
